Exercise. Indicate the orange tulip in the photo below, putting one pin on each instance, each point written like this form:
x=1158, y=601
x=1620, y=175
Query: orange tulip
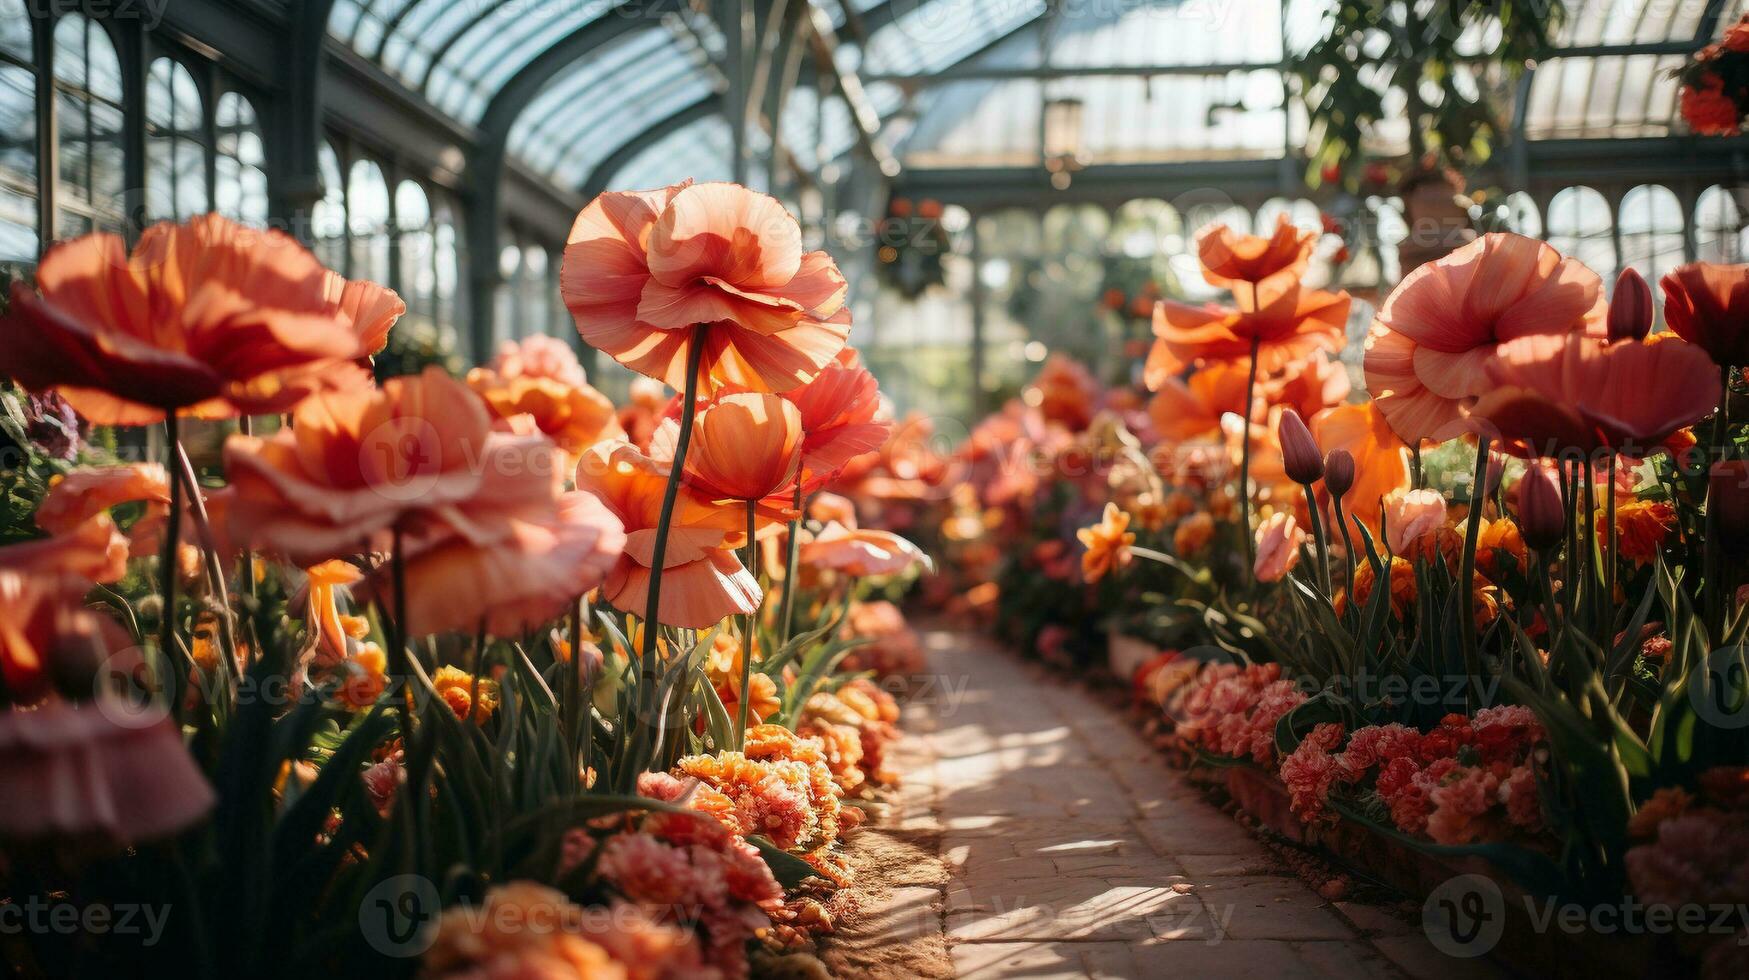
x=1229, y=259
x=745, y=446
x=702, y=579
x=643, y=268
x=1286, y=322
x=574, y=416
x=1191, y=409
x=207, y=318
x=1381, y=460
x=1428, y=348
x=860, y=552
x=1555, y=394
x=1708, y=304
x=840, y=411
x=1278, y=547
x=353, y=463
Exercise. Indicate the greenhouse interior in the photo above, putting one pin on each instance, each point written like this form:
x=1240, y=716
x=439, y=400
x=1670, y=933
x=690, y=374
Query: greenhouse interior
x=669, y=489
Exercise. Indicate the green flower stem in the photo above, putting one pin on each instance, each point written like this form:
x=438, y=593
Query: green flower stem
x=748, y=632
x=1467, y=573
x=1245, y=460
x=786, y=608
x=172, y=535
x=1318, y=538
x=215, y=575
x=1347, y=550
x=670, y=495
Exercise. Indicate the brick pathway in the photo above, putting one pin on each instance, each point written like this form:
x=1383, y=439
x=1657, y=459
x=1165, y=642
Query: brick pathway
x=1068, y=848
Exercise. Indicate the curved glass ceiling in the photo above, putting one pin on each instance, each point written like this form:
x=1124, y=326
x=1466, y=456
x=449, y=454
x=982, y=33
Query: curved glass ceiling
x=961, y=83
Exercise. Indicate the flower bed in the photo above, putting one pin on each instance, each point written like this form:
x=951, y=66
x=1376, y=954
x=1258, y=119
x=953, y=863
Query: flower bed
x=480, y=678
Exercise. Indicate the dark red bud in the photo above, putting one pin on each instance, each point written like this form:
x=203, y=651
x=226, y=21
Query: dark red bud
x=1630, y=309
x=1299, y=451
x=1338, y=472
x=1542, y=518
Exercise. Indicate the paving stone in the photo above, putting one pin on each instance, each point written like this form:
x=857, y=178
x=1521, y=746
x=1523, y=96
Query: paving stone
x=1074, y=850
x=1270, y=908
x=1044, y=961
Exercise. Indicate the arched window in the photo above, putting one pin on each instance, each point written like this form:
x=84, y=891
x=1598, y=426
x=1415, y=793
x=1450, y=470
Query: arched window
x=1579, y=225
x=536, y=307
x=176, y=186
x=416, y=273
x=1719, y=232
x=1651, y=232
x=506, y=301
x=241, y=190
x=88, y=120
x=328, y=217
x=367, y=222
x=19, y=240
x=446, y=274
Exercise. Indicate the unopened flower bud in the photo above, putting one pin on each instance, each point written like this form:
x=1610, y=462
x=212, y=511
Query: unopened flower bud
x=1542, y=518
x=1496, y=470
x=1299, y=451
x=1338, y=472
x=1630, y=309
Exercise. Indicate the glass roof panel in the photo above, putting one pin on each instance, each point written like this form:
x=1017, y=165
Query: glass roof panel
x=938, y=33
x=700, y=150
x=587, y=111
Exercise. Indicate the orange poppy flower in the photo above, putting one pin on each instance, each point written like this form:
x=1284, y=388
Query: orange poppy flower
x=1708, y=305
x=1309, y=386
x=575, y=416
x=1428, y=348
x=702, y=579
x=860, y=552
x=372, y=310
x=1558, y=393
x=355, y=462
x=840, y=411
x=86, y=491
x=94, y=550
x=1229, y=259
x=642, y=268
x=745, y=446
x=1107, y=543
x=35, y=610
x=1065, y=392
x=539, y=356
x=1381, y=460
x=511, y=558
x=1192, y=409
x=1287, y=323
x=207, y=318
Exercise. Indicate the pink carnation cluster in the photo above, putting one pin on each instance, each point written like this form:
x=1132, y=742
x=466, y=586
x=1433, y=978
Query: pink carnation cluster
x=1467, y=780
x=686, y=869
x=1232, y=710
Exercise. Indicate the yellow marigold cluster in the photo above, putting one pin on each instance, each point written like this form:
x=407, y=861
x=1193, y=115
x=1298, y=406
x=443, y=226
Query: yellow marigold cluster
x=457, y=688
